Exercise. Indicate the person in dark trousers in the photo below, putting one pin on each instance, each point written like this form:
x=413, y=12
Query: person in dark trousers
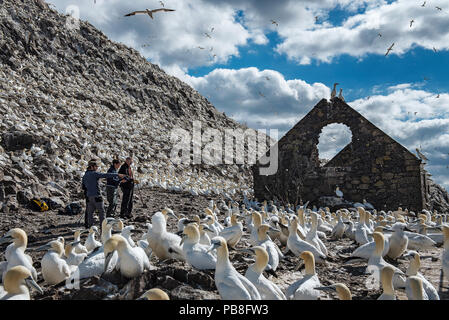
x=127, y=189
x=92, y=191
x=111, y=189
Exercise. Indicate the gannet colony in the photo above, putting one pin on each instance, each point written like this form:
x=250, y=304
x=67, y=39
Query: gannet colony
x=67, y=96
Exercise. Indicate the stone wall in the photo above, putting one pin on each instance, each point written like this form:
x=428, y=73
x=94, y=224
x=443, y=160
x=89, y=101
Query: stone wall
x=373, y=166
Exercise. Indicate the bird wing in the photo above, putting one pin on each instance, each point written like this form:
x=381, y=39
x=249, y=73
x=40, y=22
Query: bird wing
x=255, y=295
x=135, y=12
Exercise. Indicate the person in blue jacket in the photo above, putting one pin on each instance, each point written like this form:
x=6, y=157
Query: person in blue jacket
x=92, y=191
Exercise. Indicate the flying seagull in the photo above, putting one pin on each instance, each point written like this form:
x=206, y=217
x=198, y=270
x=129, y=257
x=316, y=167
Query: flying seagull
x=274, y=22
x=207, y=35
x=438, y=8
x=438, y=96
x=424, y=4
x=434, y=49
x=389, y=49
x=148, y=12
x=379, y=34
x=200, y=48
x=162, y=4
x=411, y=22
x=212, y=30
x=316, y=19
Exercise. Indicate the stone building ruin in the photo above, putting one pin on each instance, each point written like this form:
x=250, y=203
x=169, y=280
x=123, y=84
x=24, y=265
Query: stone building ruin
x=373, y=166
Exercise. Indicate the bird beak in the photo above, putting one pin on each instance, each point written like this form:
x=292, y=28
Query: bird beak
x=407, y=229
x=327, y=288
x=84, y=231
x=183, y=236
x=300, y=266
x=173, y=215
x=109, y=220
x=179, y=233
x=107, y=260
x=44, y=247
x=31, y=283
x=115, y=232
x=5, y=239
x=75, y=243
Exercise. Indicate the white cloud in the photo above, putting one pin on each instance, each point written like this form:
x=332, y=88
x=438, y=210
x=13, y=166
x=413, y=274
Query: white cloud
x=358, y=35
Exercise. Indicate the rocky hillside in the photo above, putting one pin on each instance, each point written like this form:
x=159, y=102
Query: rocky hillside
x=70, y=94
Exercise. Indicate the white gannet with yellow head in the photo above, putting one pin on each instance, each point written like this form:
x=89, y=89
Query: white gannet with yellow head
x=341, y=289
x=233, y=233
x=16, y=283
x=386, y=279
x=54, y=268
x=257, y=221
x=267, y=289
x=273, y=251
x=15, y=252
x=398, y=240
x=164, y=244
x=73, y=258
x=132, y=261
x=91, y=243
x=416, y=289
x=413, y=270
x=204, y=237
x=365, y=251
x=154, y=294
x=297, y=245
x=79, y=248
x=376, y=263
x=312, y=236
x=304, y=288
x=231, y=285
x=196, y=254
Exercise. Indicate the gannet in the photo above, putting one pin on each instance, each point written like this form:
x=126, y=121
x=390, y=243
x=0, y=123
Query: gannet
x=386, y=277
x=365, y=251
x=165, y=245
x=341, y=289
x=132, y=261
x=73, y=258
x=312, y=236
x=416, y=291
x=350, y=230
x=304, y=288
x=154, y=294
x=196, y=254
x=148, y=12
x=361, y=230
x=376, y=263
x=16, y=282
x=91, y=243
x=54, y=268
x=398, y=240
x=297, y=245
x=267, y=289
x=231, y=285
x=79, y=248
x=334, y=93
x=339, y=228
x=15, y=252
x=273, y=251
x=418, y=241
x=413, y=270
x=256, y=222
x=204, y=238
x=233, y=233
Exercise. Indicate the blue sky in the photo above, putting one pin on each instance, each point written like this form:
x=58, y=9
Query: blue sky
x=269, y=76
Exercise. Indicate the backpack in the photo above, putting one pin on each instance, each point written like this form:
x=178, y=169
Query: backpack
x=52, y=205
x=38, y=205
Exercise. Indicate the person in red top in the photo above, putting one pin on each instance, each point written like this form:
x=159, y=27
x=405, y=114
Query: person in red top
x=127, y=187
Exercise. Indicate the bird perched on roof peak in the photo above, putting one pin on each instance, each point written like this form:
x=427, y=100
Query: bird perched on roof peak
x=334, y=91
x=340, y=95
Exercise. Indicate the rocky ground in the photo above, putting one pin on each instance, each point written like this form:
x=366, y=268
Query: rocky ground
x=179, y=279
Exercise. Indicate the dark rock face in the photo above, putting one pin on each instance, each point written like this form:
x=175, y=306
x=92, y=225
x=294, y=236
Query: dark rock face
x=373, y=166
x=16, y=140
